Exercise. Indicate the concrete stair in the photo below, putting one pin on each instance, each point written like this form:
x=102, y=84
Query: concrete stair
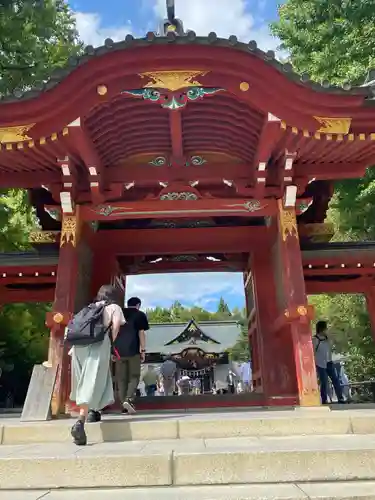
x=299, y=491
x=279, y=455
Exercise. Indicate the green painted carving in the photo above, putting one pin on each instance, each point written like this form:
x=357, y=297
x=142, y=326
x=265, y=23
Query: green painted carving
x=147, y=94
x=173, y=101
x=159, y=161
x=196, y=161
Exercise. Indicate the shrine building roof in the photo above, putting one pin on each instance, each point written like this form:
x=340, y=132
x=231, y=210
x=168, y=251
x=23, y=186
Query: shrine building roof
x=110, y=118
x=129, y=43
x=209, y=336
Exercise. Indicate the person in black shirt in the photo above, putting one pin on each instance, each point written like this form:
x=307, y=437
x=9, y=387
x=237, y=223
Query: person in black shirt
x=131, y=346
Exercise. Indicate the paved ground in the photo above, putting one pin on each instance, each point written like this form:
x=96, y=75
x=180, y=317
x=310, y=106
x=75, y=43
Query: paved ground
x=299, y=491
x=220, y=414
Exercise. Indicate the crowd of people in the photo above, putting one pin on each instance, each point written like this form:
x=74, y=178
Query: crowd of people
x=105, y=331
x=169, y=380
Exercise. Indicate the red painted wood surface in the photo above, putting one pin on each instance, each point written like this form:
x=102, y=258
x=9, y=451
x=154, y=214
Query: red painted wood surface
x=181, y=241
x=370, y=301
x=180, y=209
x=296, y=333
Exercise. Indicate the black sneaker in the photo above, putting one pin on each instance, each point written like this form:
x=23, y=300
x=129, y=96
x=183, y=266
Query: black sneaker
x=129, y=406
x=78, y=433
x=93, y=416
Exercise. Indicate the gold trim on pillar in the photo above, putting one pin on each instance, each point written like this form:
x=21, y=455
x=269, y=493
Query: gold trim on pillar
x=288, y=221
x=69, y=230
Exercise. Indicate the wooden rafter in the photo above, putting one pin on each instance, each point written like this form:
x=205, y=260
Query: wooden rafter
x=85, y=148
x=175, y=129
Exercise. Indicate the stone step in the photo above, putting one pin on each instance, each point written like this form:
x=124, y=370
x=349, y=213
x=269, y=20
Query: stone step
x=188, y=462
x=187, y=426
x=298, y=491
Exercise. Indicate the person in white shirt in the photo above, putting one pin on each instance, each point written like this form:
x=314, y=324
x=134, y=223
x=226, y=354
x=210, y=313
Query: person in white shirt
x=246, y=376
x=92, y=387
x=324, y=365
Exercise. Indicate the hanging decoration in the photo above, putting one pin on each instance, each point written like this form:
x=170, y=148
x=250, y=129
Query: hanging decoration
x=196, y=373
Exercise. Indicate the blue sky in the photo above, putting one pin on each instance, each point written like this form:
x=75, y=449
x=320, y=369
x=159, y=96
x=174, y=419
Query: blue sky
x=248, y=19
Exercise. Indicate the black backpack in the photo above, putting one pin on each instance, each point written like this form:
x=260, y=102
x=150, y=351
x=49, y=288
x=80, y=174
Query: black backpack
x=87, y=326
x=127, y=340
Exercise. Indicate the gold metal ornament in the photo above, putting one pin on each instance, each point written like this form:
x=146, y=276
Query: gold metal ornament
x=101, y=89
x=69, y=230
x=288, y=221
x=15, y=134
x=43, y=236
x=58, y=318
x=173, y=80
x=333, y=125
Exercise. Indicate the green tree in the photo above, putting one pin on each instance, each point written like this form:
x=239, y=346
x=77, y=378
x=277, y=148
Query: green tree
x=17, y=219
x=328, y=39
x=334, y=40
x=350, y=331
x=223, y=308
x=36, y=36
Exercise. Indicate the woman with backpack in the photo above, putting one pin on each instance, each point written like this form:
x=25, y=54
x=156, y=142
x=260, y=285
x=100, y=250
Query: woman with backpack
x=92, y=333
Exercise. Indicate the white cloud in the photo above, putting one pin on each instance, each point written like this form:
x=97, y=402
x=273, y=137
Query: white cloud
x=92, y=32
x=200, y=289
x=225, y=17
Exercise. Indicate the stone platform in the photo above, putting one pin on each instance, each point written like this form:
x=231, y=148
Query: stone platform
x=279, y=455
x=196, y=425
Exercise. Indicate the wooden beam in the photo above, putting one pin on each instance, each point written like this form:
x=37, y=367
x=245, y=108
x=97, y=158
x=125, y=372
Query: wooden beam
x=175, y=130
x=166, y=267
x=27, y=270
x=27, y=280
x=26, y=296
x=268, y=139
x=123, y=173
x=70, y=182
x=180, y=241
x=340, y=271
x=330, y=171
x=349, y=286
x=27, y=180
x=180, y=208
x=79, y=138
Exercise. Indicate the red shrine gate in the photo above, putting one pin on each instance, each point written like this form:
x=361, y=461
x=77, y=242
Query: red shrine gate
x=183, y=153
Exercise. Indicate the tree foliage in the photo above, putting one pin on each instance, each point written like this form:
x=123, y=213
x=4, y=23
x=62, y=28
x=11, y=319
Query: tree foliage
x=331, y=40
x=36, y=36
x=350, y=331
x=334, y=40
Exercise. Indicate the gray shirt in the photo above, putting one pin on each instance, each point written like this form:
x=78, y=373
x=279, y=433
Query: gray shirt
x=322, y=351
x=168, y=369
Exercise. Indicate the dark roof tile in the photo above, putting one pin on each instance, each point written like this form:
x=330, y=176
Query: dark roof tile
x=190, y=38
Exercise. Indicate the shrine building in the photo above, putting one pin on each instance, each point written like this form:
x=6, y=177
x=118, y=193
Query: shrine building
x=197, y=348
x=175, y=153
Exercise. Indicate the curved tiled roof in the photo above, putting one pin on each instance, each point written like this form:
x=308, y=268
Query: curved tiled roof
x=189, y=39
